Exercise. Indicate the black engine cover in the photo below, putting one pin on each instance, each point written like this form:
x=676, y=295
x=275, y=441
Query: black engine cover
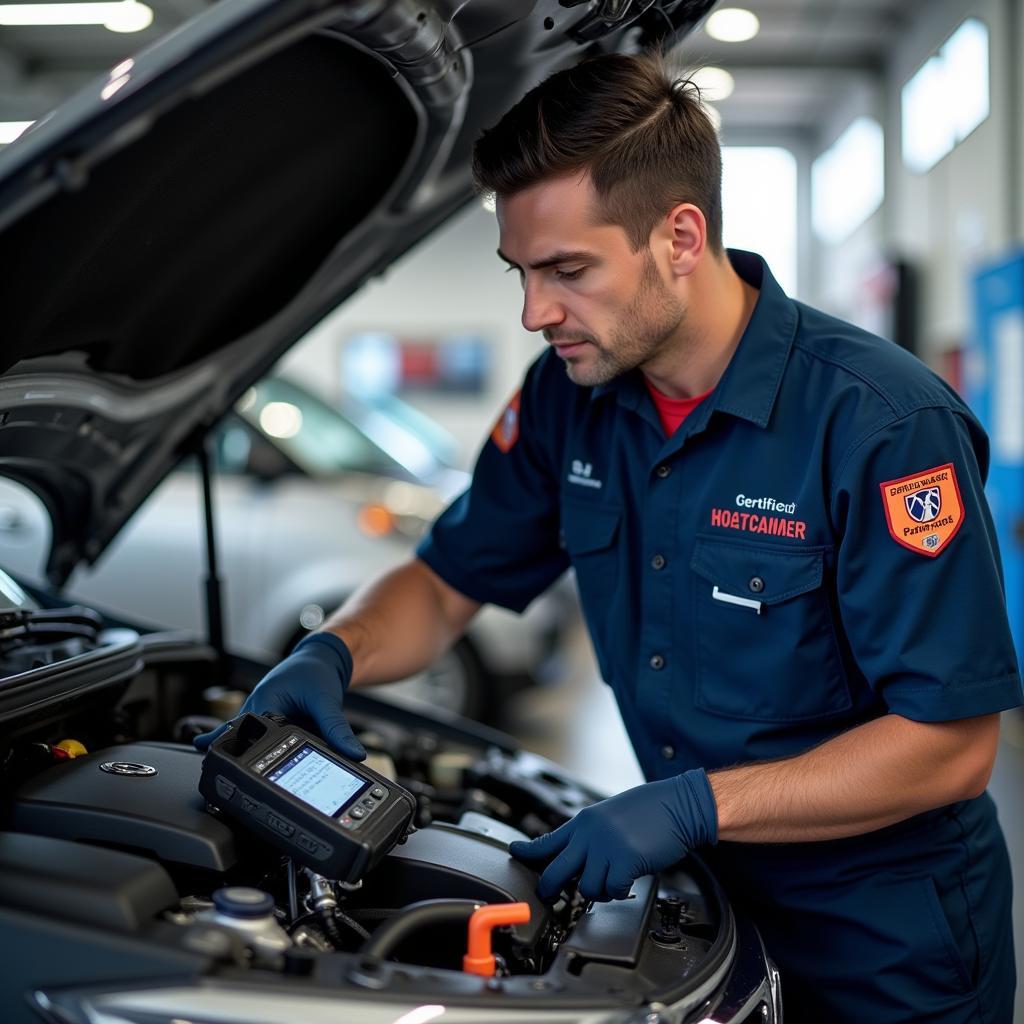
x=446, y=861
x=161, y=812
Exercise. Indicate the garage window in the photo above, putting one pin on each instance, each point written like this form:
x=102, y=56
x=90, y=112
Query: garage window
x=759, y=206
x=948, y=97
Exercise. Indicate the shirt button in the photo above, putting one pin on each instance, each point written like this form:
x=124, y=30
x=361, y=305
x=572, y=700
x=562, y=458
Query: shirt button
x=658, y=562
x=657, y=661
x=668, y=752
x=663, y=471
x=756, y=584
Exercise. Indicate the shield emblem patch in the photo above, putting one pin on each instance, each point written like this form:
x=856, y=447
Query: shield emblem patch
x=923, y=506
x=924, y=511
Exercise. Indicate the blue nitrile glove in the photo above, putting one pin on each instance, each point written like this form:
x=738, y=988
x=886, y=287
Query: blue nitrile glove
x=307, y=688
x=612, y=843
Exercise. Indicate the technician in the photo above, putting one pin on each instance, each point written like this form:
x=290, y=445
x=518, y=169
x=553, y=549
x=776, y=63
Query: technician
x=784, y=555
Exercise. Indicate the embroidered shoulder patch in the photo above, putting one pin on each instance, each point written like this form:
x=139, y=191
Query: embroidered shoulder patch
x=506, y=430
x=924, y=511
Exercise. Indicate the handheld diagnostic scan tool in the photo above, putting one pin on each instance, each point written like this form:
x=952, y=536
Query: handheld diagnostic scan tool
x=331, y=814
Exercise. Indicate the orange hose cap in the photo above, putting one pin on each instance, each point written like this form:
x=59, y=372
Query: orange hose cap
x=479, y=959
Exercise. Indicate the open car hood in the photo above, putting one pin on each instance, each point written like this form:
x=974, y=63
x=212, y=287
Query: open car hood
x=171, y=230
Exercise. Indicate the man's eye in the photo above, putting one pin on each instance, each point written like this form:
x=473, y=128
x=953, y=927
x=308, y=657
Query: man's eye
x=569, y=275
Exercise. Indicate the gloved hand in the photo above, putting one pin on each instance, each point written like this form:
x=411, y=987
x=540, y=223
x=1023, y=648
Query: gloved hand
x=307, y=688
x=614, y=842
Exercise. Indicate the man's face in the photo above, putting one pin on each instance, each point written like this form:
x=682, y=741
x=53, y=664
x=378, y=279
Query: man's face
x=605, y=308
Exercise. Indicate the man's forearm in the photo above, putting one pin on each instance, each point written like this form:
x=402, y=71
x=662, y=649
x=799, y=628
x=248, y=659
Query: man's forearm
x=874, y=775
x=399, y=624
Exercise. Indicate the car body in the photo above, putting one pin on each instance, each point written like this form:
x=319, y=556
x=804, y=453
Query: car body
x=307, y=507
x=159, y=258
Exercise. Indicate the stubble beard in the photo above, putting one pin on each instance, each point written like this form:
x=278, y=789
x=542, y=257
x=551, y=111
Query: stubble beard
x=647, y=328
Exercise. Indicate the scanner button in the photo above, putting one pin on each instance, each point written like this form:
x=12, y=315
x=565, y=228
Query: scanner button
x=280, y=825
x=225, y=788
x=307, y=843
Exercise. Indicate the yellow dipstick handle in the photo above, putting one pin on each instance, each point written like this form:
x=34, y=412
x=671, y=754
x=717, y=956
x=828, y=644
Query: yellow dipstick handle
x=72, y=748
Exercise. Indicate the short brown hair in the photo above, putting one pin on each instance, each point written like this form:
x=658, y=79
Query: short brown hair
x=640, y=131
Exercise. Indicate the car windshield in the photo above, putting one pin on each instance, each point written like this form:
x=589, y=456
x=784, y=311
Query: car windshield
x=312, y=434
x=393, y=423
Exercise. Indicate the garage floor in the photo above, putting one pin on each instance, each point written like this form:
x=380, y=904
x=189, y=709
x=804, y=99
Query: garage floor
x=577, y=724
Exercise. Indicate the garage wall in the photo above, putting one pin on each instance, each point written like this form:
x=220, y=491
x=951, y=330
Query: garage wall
x=836, y=271
x=453, y=281
x=964, y=211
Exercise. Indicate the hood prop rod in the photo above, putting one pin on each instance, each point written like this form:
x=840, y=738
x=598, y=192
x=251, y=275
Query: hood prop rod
x=214, y=602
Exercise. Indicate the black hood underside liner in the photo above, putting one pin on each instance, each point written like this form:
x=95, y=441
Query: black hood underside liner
x=212, y=224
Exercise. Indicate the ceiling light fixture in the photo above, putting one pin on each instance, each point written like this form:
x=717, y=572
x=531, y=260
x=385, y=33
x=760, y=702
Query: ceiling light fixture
x=715, y=84
x=732, y=25
x=117, y=15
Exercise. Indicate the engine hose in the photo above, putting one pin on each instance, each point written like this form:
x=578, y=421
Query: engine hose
x=378, y=913
x=352, y=923
x=391, y=934
x=330, y=926
x=331, y=919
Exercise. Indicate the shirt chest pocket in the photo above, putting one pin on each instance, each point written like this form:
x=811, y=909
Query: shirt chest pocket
x=763, y=635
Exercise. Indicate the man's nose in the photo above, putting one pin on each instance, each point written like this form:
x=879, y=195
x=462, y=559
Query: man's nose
x=539, y=309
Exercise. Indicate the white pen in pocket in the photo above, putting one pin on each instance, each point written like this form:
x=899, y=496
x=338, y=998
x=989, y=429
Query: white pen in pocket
x=743, y=602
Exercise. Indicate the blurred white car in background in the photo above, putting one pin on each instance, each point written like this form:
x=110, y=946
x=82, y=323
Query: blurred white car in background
x=309, y=502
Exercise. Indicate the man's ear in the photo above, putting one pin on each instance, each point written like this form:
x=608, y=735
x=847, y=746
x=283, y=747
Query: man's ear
x=685, y=233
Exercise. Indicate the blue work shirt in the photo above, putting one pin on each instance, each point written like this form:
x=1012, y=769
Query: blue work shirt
x=811, y=549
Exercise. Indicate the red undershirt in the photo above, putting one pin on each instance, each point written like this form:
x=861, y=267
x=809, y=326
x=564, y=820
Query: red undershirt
x=672, y=411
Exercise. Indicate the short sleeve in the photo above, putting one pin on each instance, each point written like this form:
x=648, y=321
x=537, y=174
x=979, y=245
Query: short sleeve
x=919, y=580
x=498, y=542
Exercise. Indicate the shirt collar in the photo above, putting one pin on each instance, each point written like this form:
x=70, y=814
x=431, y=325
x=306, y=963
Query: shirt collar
x=751, y=381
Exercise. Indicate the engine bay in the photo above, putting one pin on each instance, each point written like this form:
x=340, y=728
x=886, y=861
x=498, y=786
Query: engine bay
x=101, y=799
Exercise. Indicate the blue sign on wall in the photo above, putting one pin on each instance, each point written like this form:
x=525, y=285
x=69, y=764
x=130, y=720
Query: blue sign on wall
x=994, y=388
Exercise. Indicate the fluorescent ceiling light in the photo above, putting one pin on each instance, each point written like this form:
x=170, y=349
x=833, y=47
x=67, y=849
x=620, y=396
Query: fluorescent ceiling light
x=129, y=16
x=10, y=130
x=714, y=83
x=732, y=25
x=117, y=15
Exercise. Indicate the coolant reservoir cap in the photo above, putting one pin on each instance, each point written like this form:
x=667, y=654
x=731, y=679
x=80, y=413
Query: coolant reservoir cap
x=242, y=901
